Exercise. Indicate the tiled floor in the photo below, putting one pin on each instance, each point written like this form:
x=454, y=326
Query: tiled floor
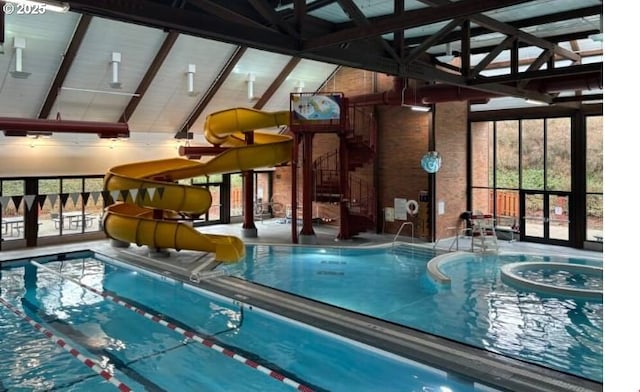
x=274, y=231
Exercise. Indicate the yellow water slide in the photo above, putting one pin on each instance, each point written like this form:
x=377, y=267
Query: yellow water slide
x=153, y=218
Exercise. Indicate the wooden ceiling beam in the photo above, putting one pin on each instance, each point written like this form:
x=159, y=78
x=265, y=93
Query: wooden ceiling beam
x=522, y=36
x=520, y=23
x=65, y=66
x=277, y=82
x=496, y=26
x=529, y=60
x=352, y=10
x=431, y=40
x=185, y=21
x=224, y=12
x=413, y=18
x=213, y=88
x=151, y=73
x=582, y=69
x=482, y=65
x=267, y=12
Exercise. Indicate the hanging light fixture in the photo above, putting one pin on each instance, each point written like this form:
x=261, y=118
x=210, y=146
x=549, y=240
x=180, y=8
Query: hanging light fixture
x=19, y=44
x=448, y=57
x=116, y=59
x=191, y=72
x=421, y=108
x=251, y=78
x=416, y=108
x=298, y=86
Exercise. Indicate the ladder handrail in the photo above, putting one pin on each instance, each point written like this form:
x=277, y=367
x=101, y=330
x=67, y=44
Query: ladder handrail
x=402, y=227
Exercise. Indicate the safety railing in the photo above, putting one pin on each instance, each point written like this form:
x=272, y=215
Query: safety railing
x=402, y=227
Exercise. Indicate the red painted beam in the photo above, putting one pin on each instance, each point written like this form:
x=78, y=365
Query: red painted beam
x=201, y=150
x=15, y=126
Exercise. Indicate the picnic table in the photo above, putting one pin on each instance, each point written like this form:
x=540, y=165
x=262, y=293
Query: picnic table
x=11, y=224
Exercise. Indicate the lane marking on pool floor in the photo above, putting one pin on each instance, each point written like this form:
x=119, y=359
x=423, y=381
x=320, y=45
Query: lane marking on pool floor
x=189, y=334
x=90, y=363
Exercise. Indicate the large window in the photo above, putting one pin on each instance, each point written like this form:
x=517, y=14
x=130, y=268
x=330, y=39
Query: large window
x=213, y=183
x=237, y=187
x=507, y=169
x=12, y=204
x=558, y=156
x=594, y=166
x=532, y=156
x=482, y=152
x=70, y=205
x=533, y=166
x=60, y=206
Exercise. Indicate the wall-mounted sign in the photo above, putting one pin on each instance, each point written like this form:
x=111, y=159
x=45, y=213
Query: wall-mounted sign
x=400, y=209
x=315, y=107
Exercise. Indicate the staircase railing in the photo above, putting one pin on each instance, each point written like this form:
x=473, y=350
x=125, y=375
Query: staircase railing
x=361, y=196
x=361, y=135
x=326, y=171
x=361, y=122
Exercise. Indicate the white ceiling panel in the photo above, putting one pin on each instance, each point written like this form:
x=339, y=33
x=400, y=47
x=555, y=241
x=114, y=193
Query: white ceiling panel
x=46, y=37
x=538, y=8
x=264, y=66
x=370, y=8
x=91, y=70
x=167, y=103
x=311, y=73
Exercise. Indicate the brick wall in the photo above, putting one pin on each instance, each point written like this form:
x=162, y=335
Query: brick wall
x=481, y=152
x=322, y=144
x=402, y=141
x=451, y=142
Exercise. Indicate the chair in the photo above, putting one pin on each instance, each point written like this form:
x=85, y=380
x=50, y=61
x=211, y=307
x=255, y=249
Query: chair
x=55, y=217
x=483, y=233
x=507, y=227
x=88, y=220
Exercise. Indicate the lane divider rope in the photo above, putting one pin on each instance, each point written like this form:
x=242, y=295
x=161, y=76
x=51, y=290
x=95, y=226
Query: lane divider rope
x=93, y=365
x=189, y=334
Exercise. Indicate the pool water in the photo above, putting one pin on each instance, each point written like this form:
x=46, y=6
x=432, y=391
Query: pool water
x=561, y=278
x=477, y=308
x=145, y=355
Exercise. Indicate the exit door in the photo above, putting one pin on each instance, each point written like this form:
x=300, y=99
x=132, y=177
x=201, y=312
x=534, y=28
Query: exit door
x=545, y=217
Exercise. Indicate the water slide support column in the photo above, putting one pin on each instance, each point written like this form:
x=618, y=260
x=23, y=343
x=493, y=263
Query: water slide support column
x=307, y=235
x=249, y=229
x=343, y=233
x=294, y=188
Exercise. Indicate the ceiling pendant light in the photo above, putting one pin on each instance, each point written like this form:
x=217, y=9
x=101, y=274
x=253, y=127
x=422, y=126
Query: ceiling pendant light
x=116, y=58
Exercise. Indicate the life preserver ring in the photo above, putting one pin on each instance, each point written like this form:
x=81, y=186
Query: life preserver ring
x=412, y=207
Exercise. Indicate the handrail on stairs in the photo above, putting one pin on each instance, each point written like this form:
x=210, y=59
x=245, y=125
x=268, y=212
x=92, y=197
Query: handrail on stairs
x=402, y=227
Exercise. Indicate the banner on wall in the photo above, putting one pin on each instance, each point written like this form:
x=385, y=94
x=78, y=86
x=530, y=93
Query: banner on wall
x=315, y=107
x=28, y=201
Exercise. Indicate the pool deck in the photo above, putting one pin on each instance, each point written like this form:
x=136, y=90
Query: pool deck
x=459, y=360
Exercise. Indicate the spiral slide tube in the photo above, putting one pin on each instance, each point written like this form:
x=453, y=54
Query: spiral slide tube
x=132, y=219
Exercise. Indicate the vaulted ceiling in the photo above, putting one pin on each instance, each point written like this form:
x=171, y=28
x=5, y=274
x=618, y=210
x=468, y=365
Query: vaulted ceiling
x=544, y=50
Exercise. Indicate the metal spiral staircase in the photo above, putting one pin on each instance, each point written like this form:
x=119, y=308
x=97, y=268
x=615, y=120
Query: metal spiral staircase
x=339, y=177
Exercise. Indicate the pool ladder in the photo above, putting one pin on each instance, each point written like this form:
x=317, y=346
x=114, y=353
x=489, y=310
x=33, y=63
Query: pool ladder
x=402, y=227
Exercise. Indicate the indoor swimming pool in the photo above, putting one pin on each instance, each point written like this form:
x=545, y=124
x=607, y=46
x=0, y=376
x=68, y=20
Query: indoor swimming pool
x=83, y=321
x=477, y=308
